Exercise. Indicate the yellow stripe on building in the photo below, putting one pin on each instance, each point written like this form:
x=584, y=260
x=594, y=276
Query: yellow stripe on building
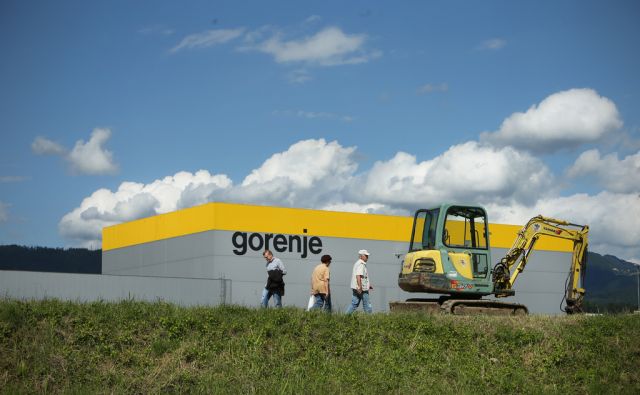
x=264, y=219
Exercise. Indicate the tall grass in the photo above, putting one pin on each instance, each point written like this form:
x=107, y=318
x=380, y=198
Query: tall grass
x=135, y=347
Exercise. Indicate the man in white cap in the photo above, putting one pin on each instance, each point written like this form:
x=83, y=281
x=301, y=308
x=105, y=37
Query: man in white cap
x=360, y=284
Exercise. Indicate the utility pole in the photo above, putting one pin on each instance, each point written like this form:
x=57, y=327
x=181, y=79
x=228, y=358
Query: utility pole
x=638, y=276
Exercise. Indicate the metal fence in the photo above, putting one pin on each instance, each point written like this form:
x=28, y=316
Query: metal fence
x=94, y=287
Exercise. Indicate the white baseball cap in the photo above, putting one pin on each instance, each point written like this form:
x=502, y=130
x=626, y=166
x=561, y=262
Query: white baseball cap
x=363, y=252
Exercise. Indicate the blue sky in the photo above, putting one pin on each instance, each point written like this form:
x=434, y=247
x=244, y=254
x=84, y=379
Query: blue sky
x=112, y=111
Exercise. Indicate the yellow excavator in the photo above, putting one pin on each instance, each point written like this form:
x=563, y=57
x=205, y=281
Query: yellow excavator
x=449, y=254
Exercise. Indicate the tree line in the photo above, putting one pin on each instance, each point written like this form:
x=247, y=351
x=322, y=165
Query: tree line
x=46, y=259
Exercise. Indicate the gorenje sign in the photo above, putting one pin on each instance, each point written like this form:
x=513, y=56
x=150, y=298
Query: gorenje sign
x=243, y=241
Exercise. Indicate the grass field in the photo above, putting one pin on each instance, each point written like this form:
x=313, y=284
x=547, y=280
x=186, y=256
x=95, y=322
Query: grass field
x=135, y=347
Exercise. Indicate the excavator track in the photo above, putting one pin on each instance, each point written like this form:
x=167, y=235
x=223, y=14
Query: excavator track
x=482, y=306
x=459, y=307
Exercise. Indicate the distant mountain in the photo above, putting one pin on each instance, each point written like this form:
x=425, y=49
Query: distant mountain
x=611, y=284
x=44, y=259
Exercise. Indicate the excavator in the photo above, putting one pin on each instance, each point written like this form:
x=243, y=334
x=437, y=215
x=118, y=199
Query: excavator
x=449, y=254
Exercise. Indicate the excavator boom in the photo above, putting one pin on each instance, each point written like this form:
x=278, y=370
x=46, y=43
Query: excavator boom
x=514, y=262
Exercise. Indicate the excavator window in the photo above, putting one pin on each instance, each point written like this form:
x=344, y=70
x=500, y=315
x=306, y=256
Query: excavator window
x=465, y=227
x=480, y=265
x=423, y=236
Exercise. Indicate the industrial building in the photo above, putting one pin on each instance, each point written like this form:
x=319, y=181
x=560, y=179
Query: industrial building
x=223, y=243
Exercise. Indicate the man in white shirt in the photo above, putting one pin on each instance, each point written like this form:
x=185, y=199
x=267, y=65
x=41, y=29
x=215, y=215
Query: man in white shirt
x=360, y=284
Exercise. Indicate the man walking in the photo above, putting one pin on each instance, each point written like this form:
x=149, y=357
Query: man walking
x=360, y=284
x=275, y=282
x=320, y=288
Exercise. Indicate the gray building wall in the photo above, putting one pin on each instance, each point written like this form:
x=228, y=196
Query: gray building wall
x=95, y=287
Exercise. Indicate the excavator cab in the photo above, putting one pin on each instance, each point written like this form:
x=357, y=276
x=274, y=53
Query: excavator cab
x=448, y=252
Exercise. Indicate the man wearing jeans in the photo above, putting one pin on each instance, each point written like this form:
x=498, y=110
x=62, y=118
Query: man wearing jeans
x=275, y=283
x=320, y=287
x=360, y=284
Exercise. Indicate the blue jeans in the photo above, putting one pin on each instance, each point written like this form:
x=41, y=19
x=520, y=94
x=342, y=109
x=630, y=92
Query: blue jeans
x=266, y=295
x=356, y=298
x=322, y=302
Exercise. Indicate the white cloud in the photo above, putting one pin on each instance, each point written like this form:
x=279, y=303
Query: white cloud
x=430, y=88
x=320, y=174
x=208, y=38
x=44, y=146
x=309, y=173
x=329, y=47
x=3, y=212
x=132, y=201
x=139, y=205
x=304, y=163
x=493, y=44
x=469, y=172
x=563, y=120
x=615, y=175
x=513, y=186
x=91, y=157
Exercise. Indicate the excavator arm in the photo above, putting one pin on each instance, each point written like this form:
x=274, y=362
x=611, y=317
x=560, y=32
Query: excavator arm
x=509, y=268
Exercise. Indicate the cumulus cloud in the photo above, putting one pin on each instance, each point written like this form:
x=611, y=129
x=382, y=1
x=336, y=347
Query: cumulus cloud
x=513, y=185
x=311, y=173
x=89, y=157
x=467, y=172
x=132, y=201
x=614, y=174
x=3, y=211
x=320, y=174
x=329, y=47
x=44, y=146
x=563, y=120
x=207, y=39
x=304, y=163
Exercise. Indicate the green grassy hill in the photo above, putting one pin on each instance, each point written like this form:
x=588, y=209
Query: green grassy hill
x=135, y=347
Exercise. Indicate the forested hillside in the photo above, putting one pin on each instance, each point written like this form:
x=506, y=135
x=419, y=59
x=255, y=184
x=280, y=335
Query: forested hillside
x=45, y=259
